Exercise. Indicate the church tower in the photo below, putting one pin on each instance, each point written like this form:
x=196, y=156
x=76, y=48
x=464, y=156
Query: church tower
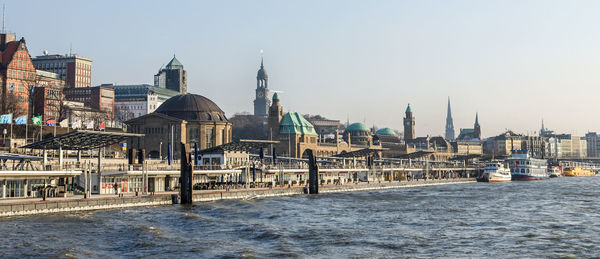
x=275, y=115
x=409, y=125
x=476, y=127
x=261, y=102
x=449, y=123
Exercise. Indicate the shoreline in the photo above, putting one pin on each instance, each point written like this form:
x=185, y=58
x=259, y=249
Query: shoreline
x=26, y=207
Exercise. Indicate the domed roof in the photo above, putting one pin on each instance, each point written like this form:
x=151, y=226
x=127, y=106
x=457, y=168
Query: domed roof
x=386, y=132
x=275, y=96
x=262, y=72
x=357, y=127
x=192, y=107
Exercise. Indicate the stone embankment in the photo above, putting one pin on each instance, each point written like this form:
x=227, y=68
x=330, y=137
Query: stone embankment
x=20, y=207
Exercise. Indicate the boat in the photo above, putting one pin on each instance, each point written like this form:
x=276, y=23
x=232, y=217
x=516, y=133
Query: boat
x=495, y=172
x=554, y=171
x=523, y=167
x=578, y=172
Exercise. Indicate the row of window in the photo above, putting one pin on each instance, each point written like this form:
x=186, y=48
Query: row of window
x=23, y=75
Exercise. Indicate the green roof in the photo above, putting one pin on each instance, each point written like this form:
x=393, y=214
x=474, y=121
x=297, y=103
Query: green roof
x=408, y=108
x=357, y=127
x=174, y=62
x=275, y=96
x=294, y=123
x=386, y=132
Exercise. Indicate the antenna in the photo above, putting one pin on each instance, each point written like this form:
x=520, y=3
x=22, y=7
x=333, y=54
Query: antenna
x=70, y=48
x=3, y=18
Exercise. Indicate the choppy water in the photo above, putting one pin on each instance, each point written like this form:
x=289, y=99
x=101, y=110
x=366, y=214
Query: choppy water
x=553, y=218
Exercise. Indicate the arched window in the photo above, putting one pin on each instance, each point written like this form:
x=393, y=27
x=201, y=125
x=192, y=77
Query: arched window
x=208, y=117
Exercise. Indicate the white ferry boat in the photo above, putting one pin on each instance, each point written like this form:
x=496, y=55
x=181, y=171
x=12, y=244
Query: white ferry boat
x=495, y=172
x=523, y=167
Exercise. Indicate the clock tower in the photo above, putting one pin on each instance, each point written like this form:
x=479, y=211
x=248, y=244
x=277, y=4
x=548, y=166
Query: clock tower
x=409, y=125
x=262, y=102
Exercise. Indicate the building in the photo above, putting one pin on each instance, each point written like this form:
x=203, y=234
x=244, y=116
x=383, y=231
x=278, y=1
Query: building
x=503, y=144
x=73, y=112
x=132, y=101
x=409, y=124
x=261, y=101
x=172, y=77
x=449, y=123
x=324, y=127
x=75, y=70
x=387, y=135
x=593, y=144
x=545, y=132
x=97, y=98
x=17, y=75
x=187, y=118
x=567, y=146
x=358, y=134
x=47, y=96
x=467, y=148
x=296, y=134
x=473, y=134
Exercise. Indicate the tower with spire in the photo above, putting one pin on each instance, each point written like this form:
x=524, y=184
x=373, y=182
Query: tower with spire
x=476, y=127
x=409, y=124
x=172, y=77
x=261, y=101
x=449, y=123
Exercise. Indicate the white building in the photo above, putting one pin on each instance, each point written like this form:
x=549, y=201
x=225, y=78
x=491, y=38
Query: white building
x=132, y=101
x=566, y=146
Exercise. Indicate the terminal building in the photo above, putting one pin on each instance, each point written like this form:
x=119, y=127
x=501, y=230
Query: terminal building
x=188, y=118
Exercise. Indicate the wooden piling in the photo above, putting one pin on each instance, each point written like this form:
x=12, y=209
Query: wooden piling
x=186, y=176
x=313, y=173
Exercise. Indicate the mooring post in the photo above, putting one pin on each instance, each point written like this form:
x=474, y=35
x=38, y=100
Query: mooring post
x=186, y=176
x=313, y=173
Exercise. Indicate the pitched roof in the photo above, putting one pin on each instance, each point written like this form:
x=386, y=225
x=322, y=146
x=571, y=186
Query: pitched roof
x=174, y=62
x=9, y=52
x=294, y=123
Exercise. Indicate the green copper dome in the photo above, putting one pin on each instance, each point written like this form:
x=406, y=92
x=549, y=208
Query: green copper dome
x=294, y=123
x=408, y=108
x=357, y=127
x=275, y=96
x=386, y=132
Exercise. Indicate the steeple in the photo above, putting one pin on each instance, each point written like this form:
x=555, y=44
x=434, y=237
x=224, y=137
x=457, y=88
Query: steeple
x=409, y=125
x=477, y=128
x=449, y=123
x=261, y=101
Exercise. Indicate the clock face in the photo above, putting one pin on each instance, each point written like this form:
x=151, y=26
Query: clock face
x=407, y=123
x=259, y=94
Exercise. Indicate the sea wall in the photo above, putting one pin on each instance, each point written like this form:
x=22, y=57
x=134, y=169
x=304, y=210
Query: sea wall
x=25, y=207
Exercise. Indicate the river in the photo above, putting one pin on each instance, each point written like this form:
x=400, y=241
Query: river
x=551, y=218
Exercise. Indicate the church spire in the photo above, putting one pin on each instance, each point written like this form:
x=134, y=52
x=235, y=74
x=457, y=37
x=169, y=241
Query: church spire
x=449, y=123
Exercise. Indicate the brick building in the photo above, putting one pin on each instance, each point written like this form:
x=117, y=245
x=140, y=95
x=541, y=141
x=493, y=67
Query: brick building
x=100, y=99
x=75, y=70
x=47, y=95
x=17, y=75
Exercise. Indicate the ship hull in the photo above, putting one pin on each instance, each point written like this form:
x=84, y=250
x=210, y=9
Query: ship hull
x=525, y=177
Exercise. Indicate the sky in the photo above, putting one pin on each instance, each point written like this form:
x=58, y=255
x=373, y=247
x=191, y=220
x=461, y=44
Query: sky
x=513, y=62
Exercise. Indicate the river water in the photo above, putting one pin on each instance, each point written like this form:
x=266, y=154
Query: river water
x=552, y=218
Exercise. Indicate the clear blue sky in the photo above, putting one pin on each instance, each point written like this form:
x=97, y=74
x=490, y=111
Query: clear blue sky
x=515, y=62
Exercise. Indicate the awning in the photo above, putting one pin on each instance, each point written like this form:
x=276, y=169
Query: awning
x=82, y=140
x=238, y=146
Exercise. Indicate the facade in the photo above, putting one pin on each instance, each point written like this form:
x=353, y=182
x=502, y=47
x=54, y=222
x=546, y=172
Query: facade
x=78, y=112
x=449, y=123
x=593, y=144
x=75, y=70
x=567, y=146
x=324, y=127
x=17, y=75
x=97, y=98
x=296, y=134
x=47, y=96
x=409, y=125
x=132, y=101
x=467, y=148
x=503, y=144
x=262, y=102
x=187, y=118
x=473, y=134
x=172, y=77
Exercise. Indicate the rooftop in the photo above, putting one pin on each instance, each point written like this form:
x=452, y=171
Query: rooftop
x=294, y=123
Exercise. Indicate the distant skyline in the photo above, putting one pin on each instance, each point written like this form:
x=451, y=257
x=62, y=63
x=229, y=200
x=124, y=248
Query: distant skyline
x=513, y=62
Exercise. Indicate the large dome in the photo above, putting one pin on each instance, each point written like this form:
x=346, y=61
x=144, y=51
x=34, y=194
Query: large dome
x=192, y=107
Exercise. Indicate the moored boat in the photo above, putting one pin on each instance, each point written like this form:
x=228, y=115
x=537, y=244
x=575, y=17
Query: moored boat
x=578, y=172
x=523, y=167
x=495, y=172
x=554, y=171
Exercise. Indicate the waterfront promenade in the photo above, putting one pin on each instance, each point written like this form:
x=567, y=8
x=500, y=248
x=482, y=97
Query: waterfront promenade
x=32, y=206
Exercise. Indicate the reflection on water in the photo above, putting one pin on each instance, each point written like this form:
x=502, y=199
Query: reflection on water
x=553, y=218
